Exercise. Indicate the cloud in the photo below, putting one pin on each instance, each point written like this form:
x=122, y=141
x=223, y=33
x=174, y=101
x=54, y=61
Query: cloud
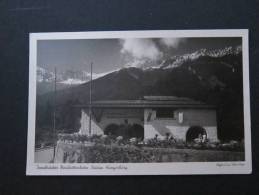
x=172, y=42
x=141, y=48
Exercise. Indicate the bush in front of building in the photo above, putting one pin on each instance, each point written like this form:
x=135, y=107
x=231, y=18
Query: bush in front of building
x=232, y=145
x=167, y=142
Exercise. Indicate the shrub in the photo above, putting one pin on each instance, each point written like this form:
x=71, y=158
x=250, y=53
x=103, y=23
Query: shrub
x=167, y=142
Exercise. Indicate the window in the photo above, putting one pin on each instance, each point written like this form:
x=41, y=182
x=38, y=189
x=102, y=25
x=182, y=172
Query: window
x=165, y=113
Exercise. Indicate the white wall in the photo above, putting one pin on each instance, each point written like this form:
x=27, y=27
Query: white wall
x=84, y=129
x=110, y=116
x=205, y=118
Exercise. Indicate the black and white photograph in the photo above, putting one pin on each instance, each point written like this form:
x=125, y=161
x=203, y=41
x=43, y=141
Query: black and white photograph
x=139, y=103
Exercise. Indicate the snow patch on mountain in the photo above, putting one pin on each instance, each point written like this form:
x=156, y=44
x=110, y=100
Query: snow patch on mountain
x=177, y=61
x=44, y=76
x=98, y=75
x=68, y=77
x=72, y=82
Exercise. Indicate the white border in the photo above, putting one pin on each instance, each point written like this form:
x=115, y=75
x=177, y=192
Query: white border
x=182, y=168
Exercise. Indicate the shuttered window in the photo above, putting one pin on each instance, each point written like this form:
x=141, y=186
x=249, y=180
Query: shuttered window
x=165, y=113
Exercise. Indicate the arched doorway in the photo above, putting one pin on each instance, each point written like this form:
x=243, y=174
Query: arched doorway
x=195, y=132
x=136, y=131
x=112, y=129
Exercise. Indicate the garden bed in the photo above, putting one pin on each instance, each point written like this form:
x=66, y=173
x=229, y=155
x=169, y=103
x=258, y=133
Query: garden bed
x=237, y=146
x=114, y=153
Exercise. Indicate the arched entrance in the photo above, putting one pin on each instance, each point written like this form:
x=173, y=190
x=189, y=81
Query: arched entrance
x=112, y=129
x=136, y=131
x=195, y=132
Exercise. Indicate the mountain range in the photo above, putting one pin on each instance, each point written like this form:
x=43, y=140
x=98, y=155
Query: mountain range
x=64, y=79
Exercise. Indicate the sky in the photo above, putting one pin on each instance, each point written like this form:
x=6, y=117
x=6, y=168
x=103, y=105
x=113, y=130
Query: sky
x=112, y=54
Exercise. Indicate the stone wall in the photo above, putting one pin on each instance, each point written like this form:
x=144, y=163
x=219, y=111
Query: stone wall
x=81, y=153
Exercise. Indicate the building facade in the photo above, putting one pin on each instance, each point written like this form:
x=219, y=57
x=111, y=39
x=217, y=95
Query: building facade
x=153, y=116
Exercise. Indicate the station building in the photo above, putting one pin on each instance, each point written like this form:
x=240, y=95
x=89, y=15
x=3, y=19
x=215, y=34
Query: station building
x=182, y=118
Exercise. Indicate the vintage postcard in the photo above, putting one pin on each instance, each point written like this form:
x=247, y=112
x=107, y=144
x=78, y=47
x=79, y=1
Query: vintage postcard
x=139, y=103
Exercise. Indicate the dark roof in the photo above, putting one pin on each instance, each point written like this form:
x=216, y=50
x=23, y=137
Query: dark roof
x=150, y=102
